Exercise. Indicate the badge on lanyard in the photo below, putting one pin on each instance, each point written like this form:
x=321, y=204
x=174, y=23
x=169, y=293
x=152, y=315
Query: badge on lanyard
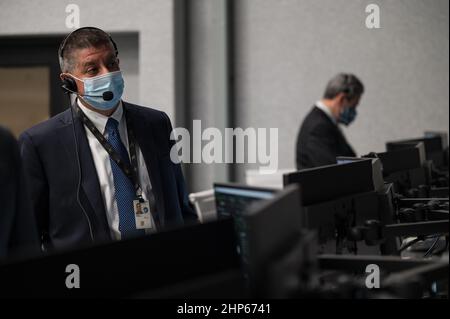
x=142, y=214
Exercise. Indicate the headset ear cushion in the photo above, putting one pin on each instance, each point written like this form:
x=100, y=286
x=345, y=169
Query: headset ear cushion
x=70, y=84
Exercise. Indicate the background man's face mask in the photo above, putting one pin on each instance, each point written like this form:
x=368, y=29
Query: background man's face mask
x=347, y=116
x=95, y=87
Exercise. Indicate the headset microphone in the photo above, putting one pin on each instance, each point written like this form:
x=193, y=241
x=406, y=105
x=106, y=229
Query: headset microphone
x=108, y=95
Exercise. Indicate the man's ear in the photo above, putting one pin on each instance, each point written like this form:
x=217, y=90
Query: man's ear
x=62, y=76
x=340, y=98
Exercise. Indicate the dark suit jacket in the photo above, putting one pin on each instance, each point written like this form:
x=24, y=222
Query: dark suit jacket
x=18, y=234
x=320, y=141
x=48, y=153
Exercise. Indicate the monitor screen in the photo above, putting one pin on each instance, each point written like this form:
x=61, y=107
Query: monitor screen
x=346, y=160
x=234, y=199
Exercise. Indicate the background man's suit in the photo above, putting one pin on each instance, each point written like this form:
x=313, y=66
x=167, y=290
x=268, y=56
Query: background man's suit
x=48, y=152
x=320, y=141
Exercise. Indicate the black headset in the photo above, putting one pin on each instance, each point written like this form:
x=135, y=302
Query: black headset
x=349, y=89
x=68, y=84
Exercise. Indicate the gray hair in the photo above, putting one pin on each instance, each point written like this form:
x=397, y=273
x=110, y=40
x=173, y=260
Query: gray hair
x=80, y=39
x=344, y=83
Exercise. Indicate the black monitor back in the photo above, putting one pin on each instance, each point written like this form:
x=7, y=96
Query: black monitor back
x=329, y=182
x=337, y=198
x=146, y=266
x=435, y=143
x=408, y=157
x=266, y=232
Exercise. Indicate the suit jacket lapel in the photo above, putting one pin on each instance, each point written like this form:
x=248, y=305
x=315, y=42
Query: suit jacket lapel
x=146, y=142
x=90, y=193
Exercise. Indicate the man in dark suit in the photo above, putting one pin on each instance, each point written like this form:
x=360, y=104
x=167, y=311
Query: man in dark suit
x=90, y=165
x=18, y=234
x=320, y=140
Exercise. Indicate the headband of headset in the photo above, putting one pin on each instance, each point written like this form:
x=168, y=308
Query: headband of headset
x=63, y=44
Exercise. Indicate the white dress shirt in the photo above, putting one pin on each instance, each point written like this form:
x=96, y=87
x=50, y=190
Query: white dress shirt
x=103, y=166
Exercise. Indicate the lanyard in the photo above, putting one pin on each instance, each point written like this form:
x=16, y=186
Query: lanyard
x=130, y=171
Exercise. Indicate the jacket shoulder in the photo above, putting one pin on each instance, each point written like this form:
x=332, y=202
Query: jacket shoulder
x=47, y=128
x=145, y=109
x=315, y=118
x=150, y=114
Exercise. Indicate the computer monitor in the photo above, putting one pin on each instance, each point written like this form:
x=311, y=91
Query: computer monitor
x=234, y=198
x=409, y=157
x=196, y=261
x=435, y=143
x=337, y=199
x=328, y=182
x=267, y=231
x=407, y=168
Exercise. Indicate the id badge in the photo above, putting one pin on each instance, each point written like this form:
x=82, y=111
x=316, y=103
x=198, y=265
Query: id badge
x=142, y=214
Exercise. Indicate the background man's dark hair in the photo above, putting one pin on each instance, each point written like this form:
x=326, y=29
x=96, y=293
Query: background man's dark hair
x=344, y=83
x=81, y=39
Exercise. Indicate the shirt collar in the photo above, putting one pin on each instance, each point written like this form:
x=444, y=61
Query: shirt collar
x=326, y=110
x=100, y=120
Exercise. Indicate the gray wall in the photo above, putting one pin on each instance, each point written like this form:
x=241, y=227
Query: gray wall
x=288, y=49
x=206, y=81
x=128, y=45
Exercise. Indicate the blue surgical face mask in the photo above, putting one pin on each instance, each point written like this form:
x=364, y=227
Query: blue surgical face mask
x=95, y=87
x=347, y=116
